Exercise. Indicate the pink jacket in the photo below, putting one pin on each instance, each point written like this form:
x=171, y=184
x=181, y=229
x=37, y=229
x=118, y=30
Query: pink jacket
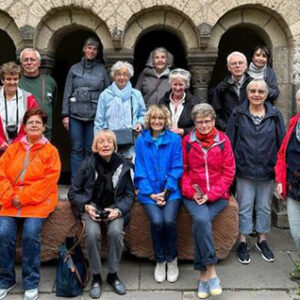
x=213, y=169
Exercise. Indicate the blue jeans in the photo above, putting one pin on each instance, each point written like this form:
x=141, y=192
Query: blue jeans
x=81, y=137
x=293, y=211
x=31, y=248
x=163, y=229
x=248, y=192
x=203, y=215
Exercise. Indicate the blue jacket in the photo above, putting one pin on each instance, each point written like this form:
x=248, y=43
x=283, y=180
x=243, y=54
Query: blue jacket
x=255, y=147
x=158, y=165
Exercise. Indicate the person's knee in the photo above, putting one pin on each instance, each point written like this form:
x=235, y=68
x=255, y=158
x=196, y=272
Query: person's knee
x=201, y=221
x=92, y=234
x=115, y=233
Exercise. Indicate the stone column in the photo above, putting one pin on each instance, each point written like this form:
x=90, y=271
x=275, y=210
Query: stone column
x=111, y=56
x=201, y=65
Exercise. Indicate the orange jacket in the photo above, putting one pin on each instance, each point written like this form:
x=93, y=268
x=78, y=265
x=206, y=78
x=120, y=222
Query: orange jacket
x=36, y=188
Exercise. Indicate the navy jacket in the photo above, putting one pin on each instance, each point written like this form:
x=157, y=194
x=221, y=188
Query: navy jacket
x=255, y=147
x=271, y=80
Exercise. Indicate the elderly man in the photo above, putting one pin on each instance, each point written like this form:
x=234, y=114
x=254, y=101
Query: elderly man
x=42, y=86
x=232, y=90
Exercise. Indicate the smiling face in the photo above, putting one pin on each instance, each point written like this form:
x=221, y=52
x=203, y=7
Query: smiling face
x=256, y=94
x=121, y=77
x=34, y=128
x=157, y=123
x=204, y=123
x=10, y=82
x=30, y=63
x=178, y=88
x=160, y=61
x=237, y=66
x=90, y=52
x=105, y=146
x=260, y=58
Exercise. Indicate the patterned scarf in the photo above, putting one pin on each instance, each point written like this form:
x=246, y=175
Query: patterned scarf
x=206, y=139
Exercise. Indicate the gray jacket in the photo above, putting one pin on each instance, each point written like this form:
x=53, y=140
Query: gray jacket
x=148, y=81
x=85, y=81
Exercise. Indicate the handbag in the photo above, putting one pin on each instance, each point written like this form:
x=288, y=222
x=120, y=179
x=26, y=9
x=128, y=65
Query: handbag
x=71, y=273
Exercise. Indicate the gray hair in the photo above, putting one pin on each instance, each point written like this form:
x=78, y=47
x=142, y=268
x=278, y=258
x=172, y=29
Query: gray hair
x=180, y=73
x=37, y=53
x=297, y=96
x=204, y=109
x=242, y=55
x=122, y=64
x=259, y=81
x=170, y=58
x=91, y=41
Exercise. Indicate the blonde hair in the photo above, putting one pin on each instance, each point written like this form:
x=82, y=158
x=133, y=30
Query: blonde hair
x=10, y=68
x=108, y=134
x=157, y=110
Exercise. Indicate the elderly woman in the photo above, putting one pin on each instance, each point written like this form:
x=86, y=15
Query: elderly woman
x=29, y=171
x=103, y=191
x=256, y=129
x=85, y=81
x=209, y=169
x=180, y=101
x=13, y=104
x=287, y=171
x=121, y=108
x=158, y=168
x=259, y=69
x=153, y=81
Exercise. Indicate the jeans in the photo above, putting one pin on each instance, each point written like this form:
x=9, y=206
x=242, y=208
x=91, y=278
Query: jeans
x=115, y=239
x=81, y=137
x=293, y=211
x=248, y=192
x=31, y=248
x=163, y=229
x=203, y=215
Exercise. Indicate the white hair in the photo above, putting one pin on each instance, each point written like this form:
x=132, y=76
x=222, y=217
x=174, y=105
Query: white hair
x=37, y=53
x=262, y=83
x=180, y=73
x=242, y=55
x=119, y=65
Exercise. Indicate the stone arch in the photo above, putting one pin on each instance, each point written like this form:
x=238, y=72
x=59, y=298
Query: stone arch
x=160, y=18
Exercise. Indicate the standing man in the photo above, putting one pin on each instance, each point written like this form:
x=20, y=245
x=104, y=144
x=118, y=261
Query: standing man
x=231, y=92
x=41, y=86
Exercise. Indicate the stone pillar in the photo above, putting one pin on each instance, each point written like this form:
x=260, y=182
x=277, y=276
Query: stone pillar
x=201, y=65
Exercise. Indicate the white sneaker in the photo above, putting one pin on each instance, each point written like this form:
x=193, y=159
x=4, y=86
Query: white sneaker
x=160, y=272
x=31, y=294
x=4, y=292
x=172, y=270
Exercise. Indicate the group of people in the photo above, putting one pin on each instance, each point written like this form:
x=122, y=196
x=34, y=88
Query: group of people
x=154, y=142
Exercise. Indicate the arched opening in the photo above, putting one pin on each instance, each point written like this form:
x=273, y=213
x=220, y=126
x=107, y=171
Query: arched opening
x=68, y=52
x=153, y=39
x=8, y=49
x=241, y=38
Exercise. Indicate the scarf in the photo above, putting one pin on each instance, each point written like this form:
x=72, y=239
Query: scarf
x=206, y=139
x=124, y=93
x=255, y=72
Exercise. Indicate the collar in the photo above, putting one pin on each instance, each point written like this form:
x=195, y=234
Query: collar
x=240, y=82
x=182, y=100
x=27, y=145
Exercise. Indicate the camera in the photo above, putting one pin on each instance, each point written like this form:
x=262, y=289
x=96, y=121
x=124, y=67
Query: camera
x=12, y=131
x=103, y=214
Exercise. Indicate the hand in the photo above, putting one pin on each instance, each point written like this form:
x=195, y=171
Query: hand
x=137, y=128
x=92, y=211
x=113, y=213
x=16, y=202
x=200, y=199
x=279, y=190
x=66, y=123
x=159, y=199
x=179, y=131
x=3, y=146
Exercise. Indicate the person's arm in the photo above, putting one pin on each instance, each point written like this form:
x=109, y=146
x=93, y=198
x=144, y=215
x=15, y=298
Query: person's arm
x=106, y=79
x=232, y=127
x=217, y=104
x=100, y=121
x=280, y=130
x=67, y=94
x=141, y=109
x=271, y=81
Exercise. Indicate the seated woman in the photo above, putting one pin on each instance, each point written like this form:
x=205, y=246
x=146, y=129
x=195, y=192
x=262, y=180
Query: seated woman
x=260, y=68
x=158, y=167
x=209, y=170
x=121, y=107
x=153, y=81
x=255, y=129
x=103, y=191
x=29, y=171
x=180, y=101
x=13, y=104
x=287, y=177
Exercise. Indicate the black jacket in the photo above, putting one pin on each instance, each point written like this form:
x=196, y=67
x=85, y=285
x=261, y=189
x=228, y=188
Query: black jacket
x=271, y=80
x=185, y=121
x=255, y=147
x=225, y=99
x=81, y=190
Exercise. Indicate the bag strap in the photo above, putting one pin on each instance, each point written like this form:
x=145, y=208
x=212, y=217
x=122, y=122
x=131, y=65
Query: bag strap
x=159, y=82
x=43, y=91
x=80, y=236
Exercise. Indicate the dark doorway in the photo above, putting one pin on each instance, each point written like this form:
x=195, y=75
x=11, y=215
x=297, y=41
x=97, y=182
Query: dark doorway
x=8, y=49
x=68, y=52
x=151, y=40
x=239, y=38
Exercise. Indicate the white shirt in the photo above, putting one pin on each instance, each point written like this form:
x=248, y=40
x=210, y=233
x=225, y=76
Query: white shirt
x=176, y=113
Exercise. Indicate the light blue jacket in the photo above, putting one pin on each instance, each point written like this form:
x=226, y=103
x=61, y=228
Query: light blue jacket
x=158, y=165
x=114, y=113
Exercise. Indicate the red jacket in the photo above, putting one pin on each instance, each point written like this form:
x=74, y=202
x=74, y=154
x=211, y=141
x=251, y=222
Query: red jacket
x=213, y=169
x=281, y=166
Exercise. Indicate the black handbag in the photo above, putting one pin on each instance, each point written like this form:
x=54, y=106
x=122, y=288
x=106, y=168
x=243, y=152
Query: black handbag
x=71, y=273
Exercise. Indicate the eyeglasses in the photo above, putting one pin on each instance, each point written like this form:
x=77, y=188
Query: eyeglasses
x=204, y=122
x=254, y=91
x=29, y=59
x=180, y=71
x=237, y=63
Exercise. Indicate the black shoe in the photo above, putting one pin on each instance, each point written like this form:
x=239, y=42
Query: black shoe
x=118, y=286
x=265, y=251
x=254, y=233
x=243, y=254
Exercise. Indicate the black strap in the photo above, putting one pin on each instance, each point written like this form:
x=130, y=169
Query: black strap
x=6, y=112
x=43, y=91
x=159, y=82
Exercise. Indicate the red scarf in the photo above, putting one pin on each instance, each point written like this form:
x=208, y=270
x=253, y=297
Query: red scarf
x=206, y=139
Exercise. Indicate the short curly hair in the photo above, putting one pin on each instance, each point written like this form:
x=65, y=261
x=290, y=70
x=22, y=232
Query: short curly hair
x=10, y=68
x=157, y=110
